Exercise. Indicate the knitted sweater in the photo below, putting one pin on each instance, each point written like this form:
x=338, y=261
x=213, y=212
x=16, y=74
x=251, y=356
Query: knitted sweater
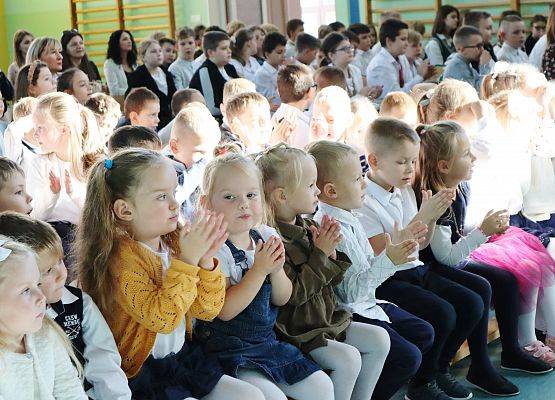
x=149, y=302
x=45, y=372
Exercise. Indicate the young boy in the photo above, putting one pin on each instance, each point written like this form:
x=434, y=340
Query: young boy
x=141, y=108
x=329, y=76
x=168, y=51
x=13, y=195
x=73, y=310
x=265, y=78
x=537, y=30
x=179, y=100
x=133, y=136
x=453, y=301
x=297, y=90
x=470, y=48
x=401, y=106
x=307, y=49
x=331, y=114
x=513, y=33
x=342, y=187
x=484, y=23
x=293, y=29
x=231, y=89
x=215, y=71
x=363, y=53
x=388, y=67
x=182, y=68
x=413, y=54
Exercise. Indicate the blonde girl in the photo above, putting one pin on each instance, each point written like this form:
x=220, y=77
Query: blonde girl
x=150, y=277
x=252, y=258
x=35, y=355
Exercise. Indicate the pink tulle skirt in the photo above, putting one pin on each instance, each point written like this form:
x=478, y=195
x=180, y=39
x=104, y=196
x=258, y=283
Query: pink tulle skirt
x=523, y=255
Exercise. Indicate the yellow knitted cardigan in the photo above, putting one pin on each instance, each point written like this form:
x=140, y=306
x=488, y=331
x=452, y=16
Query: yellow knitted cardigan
x=147, y=304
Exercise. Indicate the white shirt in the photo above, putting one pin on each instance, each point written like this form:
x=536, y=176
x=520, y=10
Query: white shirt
x=300, y=136
x=381, y=209
x=44, y=372
x=182, y=72
x=160, y=78
x=14, y=148
x=102, y=359
x=536, y=55
x=433, y=50
x=265, y=79
x=451, y=254
x=512, y=55
x=115, y=77
x=376, y=49
x=354, y=80
x=356, y=292
x=248, y=70
x=362, y=59
x=224, y=73
x=198, y=62
x=290, y=49
x=227, y=263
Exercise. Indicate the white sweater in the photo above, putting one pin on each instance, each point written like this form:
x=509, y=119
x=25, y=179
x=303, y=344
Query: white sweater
x=115, y=77
x=45, y=372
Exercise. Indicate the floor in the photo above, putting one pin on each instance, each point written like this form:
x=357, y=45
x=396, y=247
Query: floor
x=531, y=387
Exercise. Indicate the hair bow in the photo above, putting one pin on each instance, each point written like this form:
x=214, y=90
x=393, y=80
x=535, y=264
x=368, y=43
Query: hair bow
x=4, y=253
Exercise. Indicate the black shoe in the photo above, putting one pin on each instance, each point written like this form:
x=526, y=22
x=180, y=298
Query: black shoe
x=452, y=387
x=495, y=385
x=429, y=391
x=525, y=363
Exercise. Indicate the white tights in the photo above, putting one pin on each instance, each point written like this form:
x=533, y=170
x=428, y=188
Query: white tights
x=545, y=299
x=229, y=388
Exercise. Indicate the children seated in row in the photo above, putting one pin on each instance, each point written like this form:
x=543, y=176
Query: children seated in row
x=182, y=68
x=266, y=76
x=513, y=34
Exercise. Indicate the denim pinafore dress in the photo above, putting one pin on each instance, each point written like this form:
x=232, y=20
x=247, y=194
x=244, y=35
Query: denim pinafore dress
x=249, y=340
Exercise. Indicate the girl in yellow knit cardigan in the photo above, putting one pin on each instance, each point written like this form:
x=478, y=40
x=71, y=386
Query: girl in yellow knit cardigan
x=150, y=277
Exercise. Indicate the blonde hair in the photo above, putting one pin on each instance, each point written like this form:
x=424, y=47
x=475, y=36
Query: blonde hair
x=236, y=105
x=399, y=105
x=196, y=117
x=513, y=110
x=448, y=96
x=39, y=46
x=507, y=76
x=414, y=37
x=234, y=26
x=24, y=107
x=269, y=28
x=329, y=157
x=364, y=113
x=100, y=232
x=281, y=166
x=85, y=143
x=237, y=86
x=106, y=110
x=145, y=44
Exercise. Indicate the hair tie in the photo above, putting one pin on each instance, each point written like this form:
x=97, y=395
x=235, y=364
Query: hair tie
x=4, y=253
x=108, y=163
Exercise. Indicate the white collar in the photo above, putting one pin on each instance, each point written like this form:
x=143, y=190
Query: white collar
x=339, y=214
x=268, y=67
x=389, y=57
x=379, y=193
x=506, y=47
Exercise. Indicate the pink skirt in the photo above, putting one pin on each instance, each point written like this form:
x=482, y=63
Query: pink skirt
x=523, y=255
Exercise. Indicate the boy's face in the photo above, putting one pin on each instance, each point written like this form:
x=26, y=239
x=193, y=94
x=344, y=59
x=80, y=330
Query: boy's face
x=186, y=48
x=364, y=41
x=168, y=52
x=414, y=50
x=486, y=29
x=222, y=54
x=53, y=275
x=538, y=29
x=255, y=123
x=277, y=56
x=473, y=49
x=395, y=167
x=13, y=196
x=350, y=185
x=148, y=116
x=515, y=34
x=399, y=45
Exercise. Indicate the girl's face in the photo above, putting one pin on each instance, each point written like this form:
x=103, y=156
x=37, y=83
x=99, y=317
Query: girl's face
x=50, y=136
x=125, y=43
x=82, y=89
x=76, y=47
x=343, y=53
x=168, y=51
x=259, y=38
x=53, y=58
x=304, y=198
x=414, y=51
x=252, y=46
x=153, y=56
x=13, y=195
x=22, y=304
x=460, y=168
x=452, y=21
x=25, y=43
x=237, y=195
x=45, y=84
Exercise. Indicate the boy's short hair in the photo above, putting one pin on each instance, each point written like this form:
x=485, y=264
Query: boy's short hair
x=136, y=100
x=184, y=32
x=197, y=118
x=389, y=14
x=293, y=82
x=332, y=75
x=211, y=40
x=359, y=29
x=538, y=18
x=508, y=20
x=7, y=169
x=390, y=30
x=293, y=25
x=24, y=107
x=414, y=37
x=269, y=28
x=273, y=40
x=237, y=104
x=337, y=26
x=385, y=134
x=397, y=104
x=507, y=13
x=306, y=41
x=351, y=36
x=134, y=136
x=323, y=31
x=463, y=34
x=38, y=235
x=473, y=18
x=329, y=157
x=165, y=40
x=183, y=97
x=236, y=86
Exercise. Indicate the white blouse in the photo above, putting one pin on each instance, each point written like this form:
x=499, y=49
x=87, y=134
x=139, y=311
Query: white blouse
x=248, y=70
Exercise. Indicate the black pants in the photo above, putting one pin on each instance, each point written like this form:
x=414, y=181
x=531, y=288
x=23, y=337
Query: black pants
x=452, y=309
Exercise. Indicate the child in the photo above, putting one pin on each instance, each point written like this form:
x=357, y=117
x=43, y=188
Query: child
x=297, y=90
x=168, y=51
x=248, y=117
x=36, y=355
x=293, y=29
x=401, y=106
x=331, y=114
x=366, y=39
x=180, y=99
x=182, y=68
x=307, y=49
x=73, y=310
x=363, y=114
x=211, y=76
x=13, y=195
x=424, y=289
x=75, y=82
x=242, y=336
x=484, y=23
x=141, y=108
x=243, y=50
x=231, y=89
x=266, y=76
x=329, y=76
x=537, y=30
x=133, y=136
x=34, y=80
x=20, y=144
x=440, y=47
x=413, y=54
x=446, y=161
x=194, y=136
x=107, y=112
x=513, y=34
x=150, y=277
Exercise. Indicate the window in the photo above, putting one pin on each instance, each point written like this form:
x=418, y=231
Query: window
x=316, y=13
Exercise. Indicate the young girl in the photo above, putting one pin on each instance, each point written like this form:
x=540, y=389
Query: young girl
x=75, y=82
x=252, y=260
x=35, y=356
x=446, y=161
x=13, y=195
x=445, y=24
x=150, y=277
x=243, y=49
x=34, y=80
x=311, y=319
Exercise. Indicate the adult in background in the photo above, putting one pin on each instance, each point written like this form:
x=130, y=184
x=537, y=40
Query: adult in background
x=49, y=51
x=21, y=41
x=121, y=61
x=75, y=56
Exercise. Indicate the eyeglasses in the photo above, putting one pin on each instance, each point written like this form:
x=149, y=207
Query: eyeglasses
x=476, y=46
x=346, y=49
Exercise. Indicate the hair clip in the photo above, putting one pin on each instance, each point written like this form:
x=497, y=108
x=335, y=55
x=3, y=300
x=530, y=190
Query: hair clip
x=108, y=163
x=4, y=253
